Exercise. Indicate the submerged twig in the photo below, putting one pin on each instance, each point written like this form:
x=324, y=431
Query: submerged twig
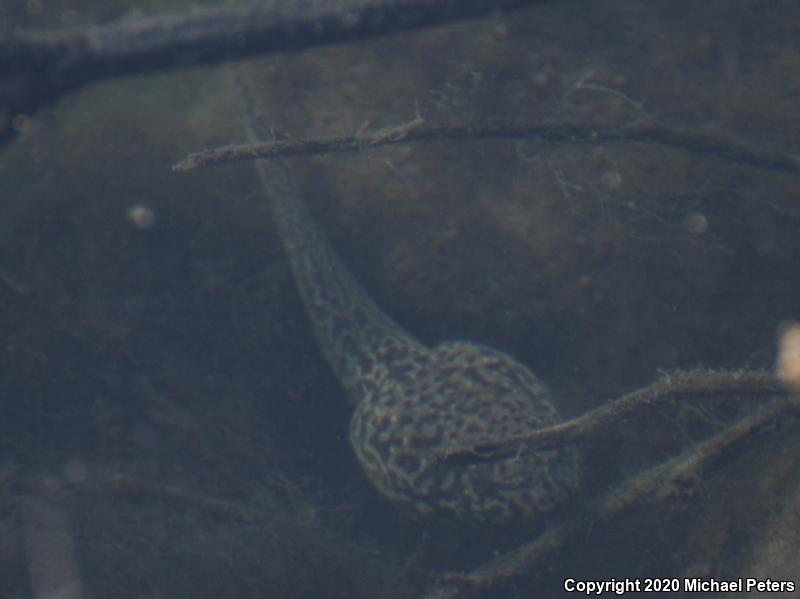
x=693, y=142
x=697, y=383
x=652, y=484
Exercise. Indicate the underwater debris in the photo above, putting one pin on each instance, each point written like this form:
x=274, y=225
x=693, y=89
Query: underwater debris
x=788, y=366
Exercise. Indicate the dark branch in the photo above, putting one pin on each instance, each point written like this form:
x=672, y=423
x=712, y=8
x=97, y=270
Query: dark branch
x=663, y=481
x=691, y=384
x=36, y=67
x=688, y=141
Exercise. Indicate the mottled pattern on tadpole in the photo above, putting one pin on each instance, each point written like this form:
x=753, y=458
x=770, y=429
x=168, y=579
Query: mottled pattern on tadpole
x=413, y=403
x=456, y=395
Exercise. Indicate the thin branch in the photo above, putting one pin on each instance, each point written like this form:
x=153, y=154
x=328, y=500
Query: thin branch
x=654, y=484
x=693, y=142
x=37, y=67
x=692, y=384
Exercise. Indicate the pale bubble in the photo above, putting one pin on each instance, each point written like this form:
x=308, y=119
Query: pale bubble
x=788, y=363
x=695, y=222
x=611, y=179
x=141, y=216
